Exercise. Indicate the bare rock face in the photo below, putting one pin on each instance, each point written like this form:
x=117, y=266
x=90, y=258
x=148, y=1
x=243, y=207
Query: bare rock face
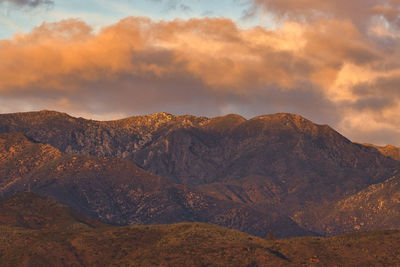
x=281, y=162
x=116, y=191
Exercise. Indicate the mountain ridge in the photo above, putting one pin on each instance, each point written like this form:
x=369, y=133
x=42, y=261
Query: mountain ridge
x=280, y=162
x=117, y=191
x=388, y=150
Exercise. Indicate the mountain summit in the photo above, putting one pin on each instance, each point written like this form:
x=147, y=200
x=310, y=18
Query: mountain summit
x=280, y=163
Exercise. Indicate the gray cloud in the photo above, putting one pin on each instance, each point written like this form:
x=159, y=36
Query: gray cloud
x=173, y=5
x=380, y=89
x=358, y=11
x=29, y=3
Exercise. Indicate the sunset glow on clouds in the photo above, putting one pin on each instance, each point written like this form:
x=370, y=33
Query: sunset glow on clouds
x=334, y=62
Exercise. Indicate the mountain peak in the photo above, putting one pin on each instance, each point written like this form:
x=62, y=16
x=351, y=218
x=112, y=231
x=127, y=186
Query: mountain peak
x=284, y=117
x=226, y=122
x=51, y=113
x=389, y=150
x=295, y=122
x=234, y=116
x=283, y=161
x=161, y=115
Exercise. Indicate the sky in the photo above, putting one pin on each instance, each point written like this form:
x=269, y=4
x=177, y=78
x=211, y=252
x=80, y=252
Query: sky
x=334, y=62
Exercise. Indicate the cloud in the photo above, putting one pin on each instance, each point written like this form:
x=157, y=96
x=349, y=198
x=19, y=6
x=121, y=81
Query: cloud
x=362, y=13
x=329, y=70
x=173, y=5
x=311, y=9
x=28, y=3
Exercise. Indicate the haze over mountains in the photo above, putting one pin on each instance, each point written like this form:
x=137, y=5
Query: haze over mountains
x=277, y=173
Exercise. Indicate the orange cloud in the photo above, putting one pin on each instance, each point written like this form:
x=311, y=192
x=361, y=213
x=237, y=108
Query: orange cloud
x=214, y=51
x=206, y=66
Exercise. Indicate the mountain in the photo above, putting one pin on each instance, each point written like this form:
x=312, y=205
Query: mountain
x=389, y=150
x=280, y=160
x=75, y=240
x=117, y=191
x=374, y=208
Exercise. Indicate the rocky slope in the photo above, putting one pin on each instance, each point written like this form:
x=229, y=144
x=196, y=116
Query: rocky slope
x=282, y=160
x=117, y=191
x=75, y=240
x=273, y=167
x=389, y=150
x=374, y=208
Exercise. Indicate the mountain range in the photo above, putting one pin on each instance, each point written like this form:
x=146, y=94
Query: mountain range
x=117, y=191
x=278, y=173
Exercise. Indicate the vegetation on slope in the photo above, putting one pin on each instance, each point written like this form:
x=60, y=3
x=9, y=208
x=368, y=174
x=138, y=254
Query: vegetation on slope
x=299, y=163
x=254, y=175
x=374, y=208
x=117, y=191
x=74, y=242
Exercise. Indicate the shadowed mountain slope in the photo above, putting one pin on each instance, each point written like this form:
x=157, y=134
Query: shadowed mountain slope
x=117, y=191
x=31, y=211
x=374, y=208
x=282, y=159
x=389, y=150
x=73, y=243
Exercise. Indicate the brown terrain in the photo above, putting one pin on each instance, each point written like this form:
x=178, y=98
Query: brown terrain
x=32, y=226
x=117, y=191
x=260, y=175
x=389, y=150
x=375, y=208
